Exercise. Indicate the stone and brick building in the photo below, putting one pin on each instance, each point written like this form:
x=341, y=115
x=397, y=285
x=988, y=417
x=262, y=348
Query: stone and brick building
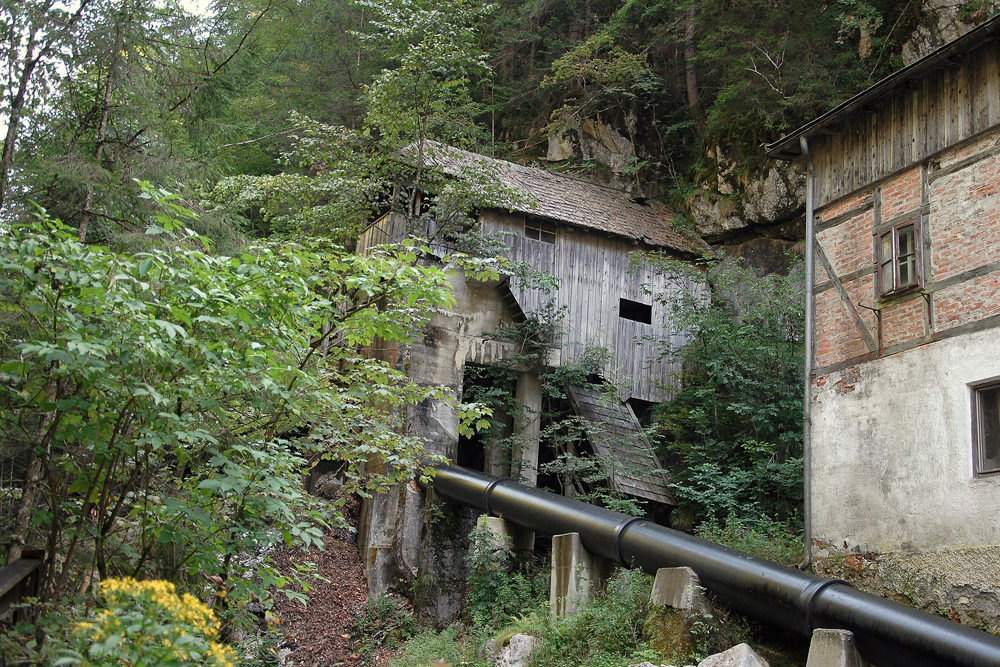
x=904, y=410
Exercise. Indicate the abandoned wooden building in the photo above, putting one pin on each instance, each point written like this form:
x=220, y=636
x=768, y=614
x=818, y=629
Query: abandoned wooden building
x=904, y=480
x=587, y=237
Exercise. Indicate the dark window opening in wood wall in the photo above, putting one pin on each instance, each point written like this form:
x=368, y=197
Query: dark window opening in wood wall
x=540, y=230
x=636, y=311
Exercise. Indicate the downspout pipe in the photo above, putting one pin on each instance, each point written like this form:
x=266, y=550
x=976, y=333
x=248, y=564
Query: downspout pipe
x=887, y=633
x=807, y=533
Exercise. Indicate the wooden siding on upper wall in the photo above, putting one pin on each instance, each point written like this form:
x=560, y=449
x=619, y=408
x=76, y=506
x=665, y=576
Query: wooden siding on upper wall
x=951, y=105
x=595, y=271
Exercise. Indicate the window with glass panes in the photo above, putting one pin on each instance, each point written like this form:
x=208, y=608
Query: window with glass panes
x=898, y=258
x=540, y=230
x=986, y=428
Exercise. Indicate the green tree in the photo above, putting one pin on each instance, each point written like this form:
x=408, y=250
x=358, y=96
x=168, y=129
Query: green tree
x=131, y=90
x=733, y=434
x=338, y=178
x=35, y=36
x=169, y=399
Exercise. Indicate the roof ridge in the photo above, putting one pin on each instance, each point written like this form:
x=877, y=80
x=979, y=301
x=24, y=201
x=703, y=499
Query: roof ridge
x=557, y=174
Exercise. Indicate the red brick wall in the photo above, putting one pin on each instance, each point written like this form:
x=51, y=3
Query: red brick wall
x=965, y=218
x=901, y=195
x=842, y=247
x=967, y=302
x=903, y=321
x=963, y=231
x=837, y=337
x=843, y=206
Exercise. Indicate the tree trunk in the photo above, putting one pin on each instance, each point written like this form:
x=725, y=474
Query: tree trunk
x=23, y=519
x=690, y=53
x=102, y=130
x=14, y=118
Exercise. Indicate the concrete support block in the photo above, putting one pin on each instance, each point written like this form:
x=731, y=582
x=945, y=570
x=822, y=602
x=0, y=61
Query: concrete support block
x=679, y=588
x=520, y=540
x=576, y=574
x=834, y=648
x=524, y=468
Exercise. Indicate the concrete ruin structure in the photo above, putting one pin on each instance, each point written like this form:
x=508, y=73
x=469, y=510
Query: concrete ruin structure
x=587, y=237
x=903, y=417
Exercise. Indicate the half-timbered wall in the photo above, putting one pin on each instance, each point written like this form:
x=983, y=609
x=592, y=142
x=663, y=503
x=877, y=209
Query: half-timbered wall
x=595, y=271
x=934, y=114
x=895, y=379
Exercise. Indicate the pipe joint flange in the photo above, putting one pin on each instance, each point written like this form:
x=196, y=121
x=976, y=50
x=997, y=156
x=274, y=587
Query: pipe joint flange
x=807, y=599
x=489, y=490
x=620, y=535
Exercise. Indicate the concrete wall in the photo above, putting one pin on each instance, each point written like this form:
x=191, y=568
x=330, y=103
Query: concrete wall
x=407, y=543
x=892, y=451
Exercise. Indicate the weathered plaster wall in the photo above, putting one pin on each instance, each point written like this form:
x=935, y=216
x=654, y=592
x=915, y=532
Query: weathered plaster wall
x=962, y=584
x=892, y=455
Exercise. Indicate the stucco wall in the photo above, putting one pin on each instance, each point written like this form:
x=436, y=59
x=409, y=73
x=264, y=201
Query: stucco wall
x=892, y=455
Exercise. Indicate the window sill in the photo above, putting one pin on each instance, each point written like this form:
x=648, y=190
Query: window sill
x=890, y=298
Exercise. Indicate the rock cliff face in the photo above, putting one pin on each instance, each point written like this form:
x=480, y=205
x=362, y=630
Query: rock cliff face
x=758, y=218
x=756, y=215
x=941, y=21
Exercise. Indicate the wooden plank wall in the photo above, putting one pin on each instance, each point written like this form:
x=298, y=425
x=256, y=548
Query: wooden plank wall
x=955, y=103
x=616, y=435
x=595, y=271
x=390, y=228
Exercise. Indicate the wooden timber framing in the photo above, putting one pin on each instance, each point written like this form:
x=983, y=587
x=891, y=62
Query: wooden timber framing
x=845, y=298
x=908, y=118
x=954, y=105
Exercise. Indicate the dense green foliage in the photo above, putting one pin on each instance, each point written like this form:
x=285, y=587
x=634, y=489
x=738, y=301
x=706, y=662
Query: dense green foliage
x=169, y=399
x=167, y=375
x=500, y=588
x=608, y=631
x=733, y=434
x=125, y=88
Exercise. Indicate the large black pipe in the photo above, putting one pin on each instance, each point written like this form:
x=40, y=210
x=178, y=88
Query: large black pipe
x=887, y=633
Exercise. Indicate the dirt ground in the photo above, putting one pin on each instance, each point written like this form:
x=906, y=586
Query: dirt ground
x=320, y=634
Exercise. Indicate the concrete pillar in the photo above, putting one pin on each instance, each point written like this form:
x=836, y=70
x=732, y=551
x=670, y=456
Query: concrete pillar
x=834, y=648
x=576, y=574
x=518, y=539
x=679, y=588
x=495, y=453
x=529, y=398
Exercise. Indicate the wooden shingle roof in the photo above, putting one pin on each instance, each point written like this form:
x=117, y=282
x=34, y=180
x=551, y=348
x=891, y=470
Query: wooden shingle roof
x=569, y=200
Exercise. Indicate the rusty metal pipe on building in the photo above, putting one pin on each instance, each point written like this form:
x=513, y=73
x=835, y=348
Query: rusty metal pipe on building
x=887, y=633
